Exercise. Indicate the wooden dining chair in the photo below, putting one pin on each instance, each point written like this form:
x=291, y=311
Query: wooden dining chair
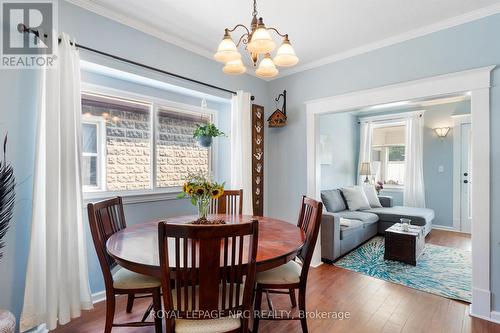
x=286, y=278
x=207, y=269
x=230, y=203
x=106, y=218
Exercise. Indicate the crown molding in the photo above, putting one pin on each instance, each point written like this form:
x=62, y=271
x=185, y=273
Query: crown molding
x=429, y=29
x=139, y=25
x=412, y=34
x=145, y=28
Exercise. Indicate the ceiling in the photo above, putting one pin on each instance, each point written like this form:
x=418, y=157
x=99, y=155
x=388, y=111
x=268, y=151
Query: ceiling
x=321, y=31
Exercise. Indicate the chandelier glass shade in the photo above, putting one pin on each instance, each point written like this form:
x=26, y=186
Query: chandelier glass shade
x=285, y=57
x=266, y=67
x=227, y=50
x=261, y=41
x=259, y=44
x=234, y=67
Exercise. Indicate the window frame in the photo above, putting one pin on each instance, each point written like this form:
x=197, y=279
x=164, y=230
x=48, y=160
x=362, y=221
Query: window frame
x=387, y=162
x=100, y=154
x=389, y=122
x=154, y=193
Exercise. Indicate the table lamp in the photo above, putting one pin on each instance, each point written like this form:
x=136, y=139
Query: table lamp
x=366, y=170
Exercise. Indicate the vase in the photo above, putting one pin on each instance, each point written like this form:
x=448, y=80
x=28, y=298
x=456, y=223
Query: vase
x=203, y=204
x=205, y=141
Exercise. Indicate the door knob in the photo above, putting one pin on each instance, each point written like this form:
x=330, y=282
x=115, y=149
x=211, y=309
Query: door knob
x=466, y=181
x=466, y=174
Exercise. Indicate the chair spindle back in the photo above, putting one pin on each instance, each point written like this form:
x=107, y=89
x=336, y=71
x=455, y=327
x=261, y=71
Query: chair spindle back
x=229, y=203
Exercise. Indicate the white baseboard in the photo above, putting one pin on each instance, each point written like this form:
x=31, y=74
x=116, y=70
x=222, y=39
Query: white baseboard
x=445, y=227
x=98, y=297
x=481, y=304
x=495, y=317
x=315, y=265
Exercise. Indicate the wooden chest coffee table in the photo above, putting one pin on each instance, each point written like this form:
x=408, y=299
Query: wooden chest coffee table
x=404, y=246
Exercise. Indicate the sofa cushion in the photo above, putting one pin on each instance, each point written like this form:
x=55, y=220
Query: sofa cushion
x=346, y=231
x=418, y=216
x=356, y=198
x=371, y=195
x=365, y=217
x=333, y=200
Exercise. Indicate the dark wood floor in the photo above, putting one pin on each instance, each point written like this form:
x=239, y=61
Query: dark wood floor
x=450, y=239
x=374, y=305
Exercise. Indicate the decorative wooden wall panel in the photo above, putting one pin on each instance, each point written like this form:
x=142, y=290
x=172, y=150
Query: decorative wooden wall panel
x=257, y=160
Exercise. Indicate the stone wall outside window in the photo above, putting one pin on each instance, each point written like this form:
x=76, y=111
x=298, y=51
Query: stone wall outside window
x=128, y=147
x=178, y=152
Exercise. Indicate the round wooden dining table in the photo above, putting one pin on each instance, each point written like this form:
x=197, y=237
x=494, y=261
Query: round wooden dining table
x=136, y=247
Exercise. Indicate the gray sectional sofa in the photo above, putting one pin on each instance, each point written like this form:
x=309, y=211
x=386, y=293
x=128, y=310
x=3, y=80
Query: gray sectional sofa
x=337, y=240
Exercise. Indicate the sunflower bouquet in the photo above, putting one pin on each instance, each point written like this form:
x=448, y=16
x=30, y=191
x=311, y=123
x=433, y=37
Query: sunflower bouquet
x=201, y=189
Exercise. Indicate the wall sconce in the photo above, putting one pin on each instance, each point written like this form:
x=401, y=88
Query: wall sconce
x=442, y=132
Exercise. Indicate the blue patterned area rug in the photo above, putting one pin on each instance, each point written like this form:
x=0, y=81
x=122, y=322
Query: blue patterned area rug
x=440, y=270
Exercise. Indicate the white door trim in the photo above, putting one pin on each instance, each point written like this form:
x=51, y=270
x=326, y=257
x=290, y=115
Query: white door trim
x=475, y=81
x=458, y=120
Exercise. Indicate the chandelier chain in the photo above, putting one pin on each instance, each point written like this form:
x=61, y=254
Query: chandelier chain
x=254, y=8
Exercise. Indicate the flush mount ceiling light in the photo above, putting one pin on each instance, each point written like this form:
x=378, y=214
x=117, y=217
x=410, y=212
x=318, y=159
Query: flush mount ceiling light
x=442, y=131
x=259, y=44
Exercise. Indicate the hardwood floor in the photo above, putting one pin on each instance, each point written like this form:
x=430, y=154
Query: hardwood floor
x=374, y=305
x=450, y=239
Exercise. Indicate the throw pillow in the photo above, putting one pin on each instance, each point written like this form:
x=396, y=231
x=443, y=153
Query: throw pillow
x=333, y=201
x=371, y=195
x=356, y=198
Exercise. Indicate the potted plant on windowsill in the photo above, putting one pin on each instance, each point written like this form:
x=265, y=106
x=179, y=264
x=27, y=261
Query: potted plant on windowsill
x=204, y=134
x=7, y=196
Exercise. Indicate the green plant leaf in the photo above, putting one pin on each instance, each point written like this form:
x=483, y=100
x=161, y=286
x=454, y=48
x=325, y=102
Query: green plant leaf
x=207, y=130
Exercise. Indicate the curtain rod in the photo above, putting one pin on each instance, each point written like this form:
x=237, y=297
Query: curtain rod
x=24, y=29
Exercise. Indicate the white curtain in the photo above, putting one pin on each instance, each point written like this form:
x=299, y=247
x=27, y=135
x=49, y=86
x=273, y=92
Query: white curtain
x=414, y=192
x=57, y=286
x=241, y=148
x=365, y=146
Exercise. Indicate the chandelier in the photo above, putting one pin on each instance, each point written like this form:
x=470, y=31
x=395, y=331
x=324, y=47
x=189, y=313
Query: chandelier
x=259, y=45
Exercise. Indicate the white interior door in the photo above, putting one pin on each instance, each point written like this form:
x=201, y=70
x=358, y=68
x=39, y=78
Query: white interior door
x=465, y=178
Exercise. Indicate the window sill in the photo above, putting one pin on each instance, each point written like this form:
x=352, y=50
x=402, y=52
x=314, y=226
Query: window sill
x=393, y=189
x=133, y=197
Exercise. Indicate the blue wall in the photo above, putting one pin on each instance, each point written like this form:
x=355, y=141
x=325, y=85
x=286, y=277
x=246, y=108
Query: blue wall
x=18, y=115
x=438, y=53
x=342, y=129
x=439, y=152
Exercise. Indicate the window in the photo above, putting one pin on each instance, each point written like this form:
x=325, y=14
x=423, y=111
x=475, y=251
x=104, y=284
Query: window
x=177, y=151
x=388, y=154
x=127, y=148
x=92, y=171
